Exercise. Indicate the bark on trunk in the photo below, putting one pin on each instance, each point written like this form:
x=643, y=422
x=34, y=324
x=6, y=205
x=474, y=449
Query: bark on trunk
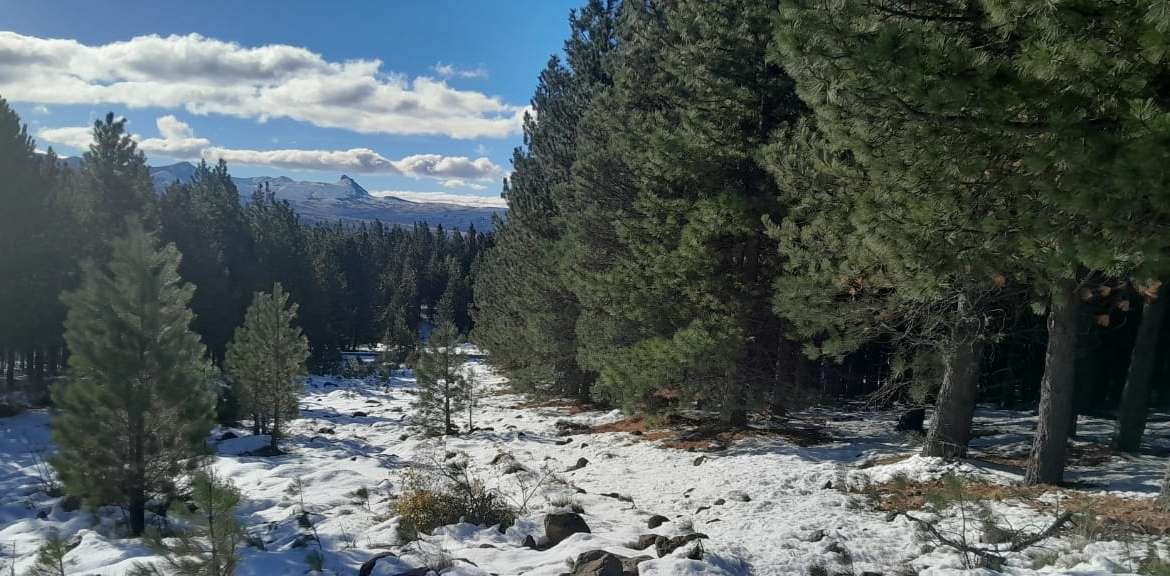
x=1131, y=415
x=10, y=368
x=137, y=514
x=951, y=429
x=1050, y=444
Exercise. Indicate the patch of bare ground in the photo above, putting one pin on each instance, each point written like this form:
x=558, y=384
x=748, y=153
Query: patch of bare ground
x=1112, y=514
x=693, y=434
x=569, y=406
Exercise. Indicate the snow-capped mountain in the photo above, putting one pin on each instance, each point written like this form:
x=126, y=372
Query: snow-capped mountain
x=342, y=200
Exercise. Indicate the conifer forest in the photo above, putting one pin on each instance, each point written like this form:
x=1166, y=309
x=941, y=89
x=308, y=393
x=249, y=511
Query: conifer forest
x=813, y=287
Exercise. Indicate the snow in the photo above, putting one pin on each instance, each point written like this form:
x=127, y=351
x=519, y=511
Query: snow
x=354, y=434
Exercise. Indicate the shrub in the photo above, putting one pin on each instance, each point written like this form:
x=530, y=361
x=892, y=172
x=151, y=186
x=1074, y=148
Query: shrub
x=447, y=493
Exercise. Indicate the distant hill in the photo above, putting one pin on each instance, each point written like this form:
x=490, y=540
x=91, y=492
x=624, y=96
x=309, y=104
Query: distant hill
x=342, y=200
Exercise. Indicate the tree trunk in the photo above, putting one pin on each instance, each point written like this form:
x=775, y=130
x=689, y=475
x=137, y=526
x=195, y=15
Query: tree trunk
x=951, y=429
x=137, y=513
x=10, y=367
x=1050, y=444
x=256, y=431
x=1131, y=414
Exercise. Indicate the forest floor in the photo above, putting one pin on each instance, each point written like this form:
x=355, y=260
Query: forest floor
x=818, y=491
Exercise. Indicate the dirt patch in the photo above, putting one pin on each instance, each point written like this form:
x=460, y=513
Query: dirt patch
x=1113, y=514
x=569, y=406
x=689, y=434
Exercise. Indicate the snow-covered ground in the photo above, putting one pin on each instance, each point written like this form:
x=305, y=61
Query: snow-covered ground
x=768, y=506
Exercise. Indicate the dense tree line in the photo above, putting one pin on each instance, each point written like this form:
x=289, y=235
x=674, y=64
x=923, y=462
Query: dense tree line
x=353, y=284
x=732, y=202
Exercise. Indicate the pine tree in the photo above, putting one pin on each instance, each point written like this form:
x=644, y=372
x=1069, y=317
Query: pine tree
x=1135, y=397
x=138, y=407
x=441, y=382
x=525, y=313
x=207, y=540
x=117, y=180
x=266, y=362
x=51, y=557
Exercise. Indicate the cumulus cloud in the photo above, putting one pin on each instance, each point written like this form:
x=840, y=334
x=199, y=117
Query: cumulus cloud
x=73, y=136
x=447, y=71
x=445, y=198
x=207, y=76
x=177, y=139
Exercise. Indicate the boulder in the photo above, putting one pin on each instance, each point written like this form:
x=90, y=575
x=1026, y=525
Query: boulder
x=699, y=461
x=597, y=563
x=561, y=525
x=645, y=541
x=665, y=545
x=739, y=496
x=581, y=463
x=359, y=414
x=602, y=563
x=656, y=521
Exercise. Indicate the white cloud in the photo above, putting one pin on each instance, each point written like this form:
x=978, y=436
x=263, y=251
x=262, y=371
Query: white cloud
x=73, y=136
x=208, y=76
x=448, y=71
x=445, y=198
x=178, y=140
x=41, y=109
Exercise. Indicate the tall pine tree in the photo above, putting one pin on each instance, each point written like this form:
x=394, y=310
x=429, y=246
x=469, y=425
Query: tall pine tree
x=138, y=406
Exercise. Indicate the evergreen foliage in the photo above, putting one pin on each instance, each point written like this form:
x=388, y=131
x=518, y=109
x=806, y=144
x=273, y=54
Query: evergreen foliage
x=51, y=557
x=207, y=537
x=442, y=385
x=266, y=362
x=138, y=406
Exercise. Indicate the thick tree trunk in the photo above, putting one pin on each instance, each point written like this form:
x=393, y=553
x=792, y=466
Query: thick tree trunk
x=137, y=513
x=1050, y=444
x=951, y=429
x=1135, y=399
x=10, y=367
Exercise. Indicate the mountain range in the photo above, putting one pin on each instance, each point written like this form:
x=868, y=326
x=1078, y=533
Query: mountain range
x=343, y=200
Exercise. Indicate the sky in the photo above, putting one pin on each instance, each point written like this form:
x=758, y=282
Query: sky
x=419, y=96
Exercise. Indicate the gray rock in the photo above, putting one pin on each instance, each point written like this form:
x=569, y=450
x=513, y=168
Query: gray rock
x=816, y=536
x=656, y=521
x=739, y=496
x=665, y=545
x=699, y=461
x=561, y=525
x=581, y=463
x=719, y=502
x=597, y=563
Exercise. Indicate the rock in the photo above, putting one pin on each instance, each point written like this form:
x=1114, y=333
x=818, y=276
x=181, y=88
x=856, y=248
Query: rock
x=699, y=461
x=911, y=420
x=404, y=437
x=833, y=548
x=563, y=442
x=359, y=414
x=891, y=516
x=325, y=430
x=529, y=542
x=869, y=573
x=739, y=496
x=719, y=502
x=567, y=427
x=373, y=403
x=228, y=436
x=597, y=563
x=701, y=508
x=665, y=545
x=43, y=515
x=368, y=566
x=656, y=521
x=816, y=536
x=630, y=565
x=561, y=525
x=828, y=485
x=581, y=463
x=617, y=496
x=329, y=385
x=645, y=541
x=70, y=503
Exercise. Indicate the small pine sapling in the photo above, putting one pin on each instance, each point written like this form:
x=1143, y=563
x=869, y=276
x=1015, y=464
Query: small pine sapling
x=208, y=538
x=51, y=557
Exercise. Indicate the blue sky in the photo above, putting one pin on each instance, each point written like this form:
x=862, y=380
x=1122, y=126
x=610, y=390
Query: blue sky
x=416, y=96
